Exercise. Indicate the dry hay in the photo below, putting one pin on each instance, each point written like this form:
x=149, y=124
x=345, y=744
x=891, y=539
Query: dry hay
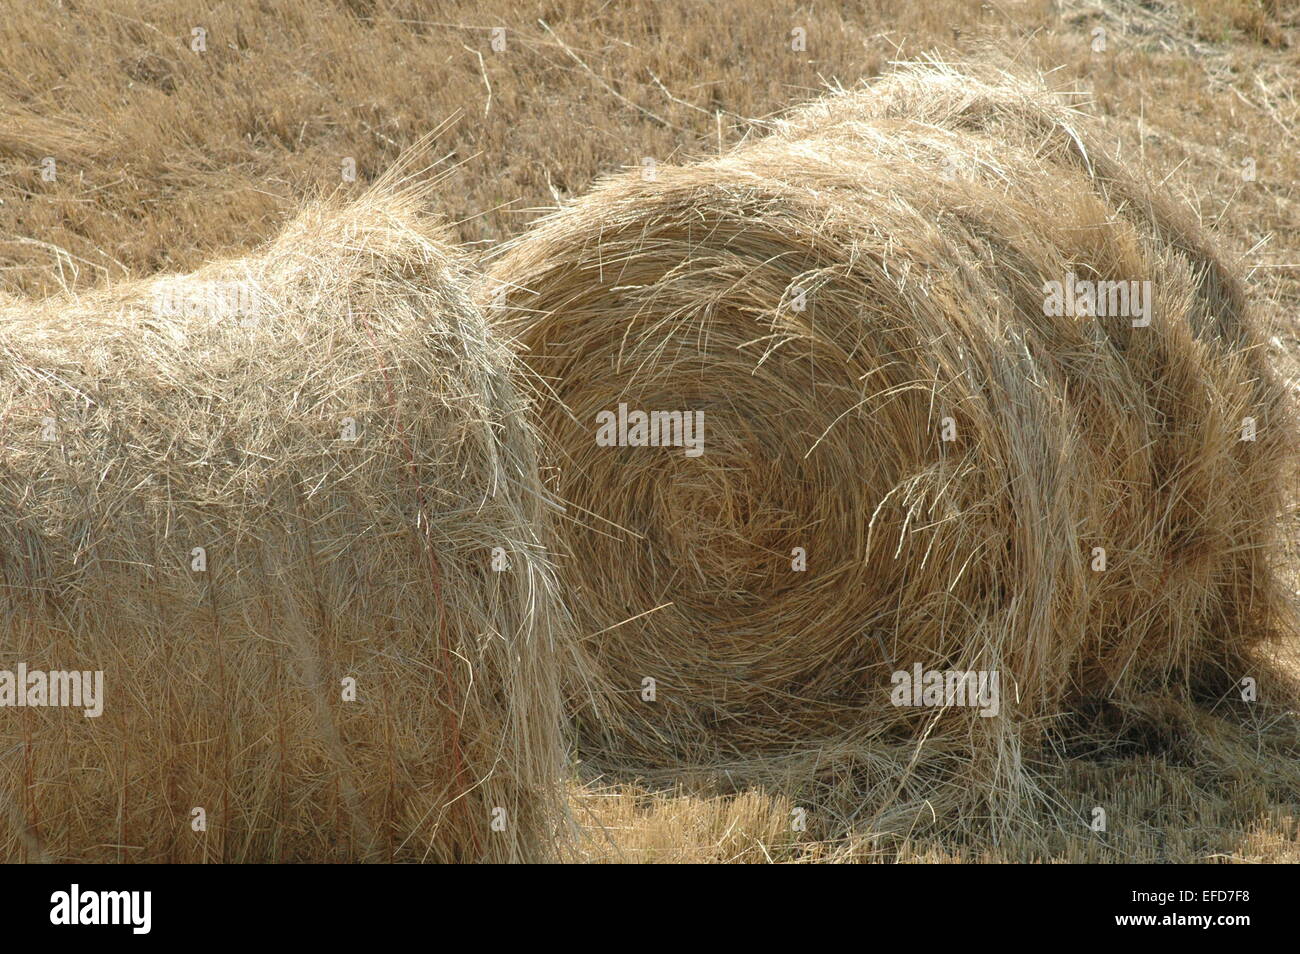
x=828, y=296
x=153, y=418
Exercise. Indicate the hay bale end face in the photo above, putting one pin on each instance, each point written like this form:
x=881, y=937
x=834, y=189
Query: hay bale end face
x=912, y=458
x=287, y=506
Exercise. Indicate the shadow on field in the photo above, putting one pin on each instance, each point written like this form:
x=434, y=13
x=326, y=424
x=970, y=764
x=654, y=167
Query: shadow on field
x=1156, y=779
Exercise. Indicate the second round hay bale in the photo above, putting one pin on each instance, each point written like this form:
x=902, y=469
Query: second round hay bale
x=288, y=506
x=910, y=458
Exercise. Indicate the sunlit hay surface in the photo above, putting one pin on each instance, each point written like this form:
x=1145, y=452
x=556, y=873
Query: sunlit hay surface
x=228, y=427
x=830, y=297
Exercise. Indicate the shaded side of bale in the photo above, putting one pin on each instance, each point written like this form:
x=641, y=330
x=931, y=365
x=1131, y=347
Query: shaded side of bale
x=832, y=298
x=243, y=491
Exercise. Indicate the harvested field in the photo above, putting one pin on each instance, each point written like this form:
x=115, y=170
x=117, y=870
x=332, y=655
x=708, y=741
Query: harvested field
x=146, y=138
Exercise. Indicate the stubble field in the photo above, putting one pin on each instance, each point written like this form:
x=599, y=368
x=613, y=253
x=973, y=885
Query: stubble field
x=145, y=137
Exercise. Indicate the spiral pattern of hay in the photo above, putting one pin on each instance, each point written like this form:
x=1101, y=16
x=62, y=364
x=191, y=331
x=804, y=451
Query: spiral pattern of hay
x=834, y=298
x=235, y=491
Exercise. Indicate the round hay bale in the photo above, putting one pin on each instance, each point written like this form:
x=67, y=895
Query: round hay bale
x=287, y=505
x=909, y=462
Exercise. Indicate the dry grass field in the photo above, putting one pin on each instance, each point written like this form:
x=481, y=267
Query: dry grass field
x=148, y=136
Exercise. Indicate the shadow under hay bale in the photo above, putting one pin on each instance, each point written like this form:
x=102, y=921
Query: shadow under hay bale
x=912, y=458
x=288, y=506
